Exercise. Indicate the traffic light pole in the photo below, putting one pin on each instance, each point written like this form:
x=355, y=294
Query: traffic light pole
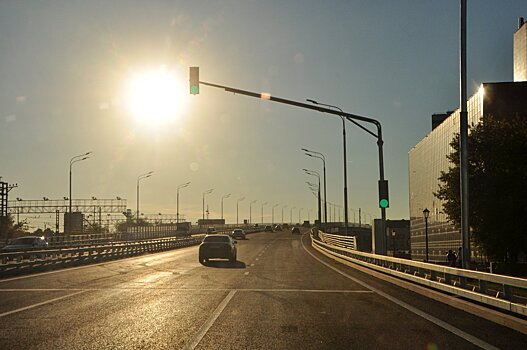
x=351, y=117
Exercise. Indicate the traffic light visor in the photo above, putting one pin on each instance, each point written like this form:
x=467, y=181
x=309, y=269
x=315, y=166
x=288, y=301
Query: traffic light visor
x=384, y=201
x=194, y=80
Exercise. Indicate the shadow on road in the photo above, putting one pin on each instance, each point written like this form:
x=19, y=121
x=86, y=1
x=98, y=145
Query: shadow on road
x=226, y=264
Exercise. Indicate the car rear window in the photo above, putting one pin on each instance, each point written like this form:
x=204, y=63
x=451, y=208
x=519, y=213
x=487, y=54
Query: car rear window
x=217, y=239
x=238, y=231
x=23, y=241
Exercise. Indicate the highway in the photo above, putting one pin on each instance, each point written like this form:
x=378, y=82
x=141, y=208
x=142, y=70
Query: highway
x=281, y=294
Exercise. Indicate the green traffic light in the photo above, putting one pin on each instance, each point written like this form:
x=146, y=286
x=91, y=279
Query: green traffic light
x=383, y=203
x=194, y=89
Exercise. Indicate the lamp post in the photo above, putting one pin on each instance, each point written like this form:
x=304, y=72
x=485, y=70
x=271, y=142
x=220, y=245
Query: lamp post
x=285, y=206
x=250, y=211
x=238, y=201
x=345, y=162
x=177, y=199
x=323, y=158
x=265, y=203
x=74, y=160
x=315, y=173
x=141, y=177
x=222, y=198
x=272, y=213
x=393, y=243
x=426, y=214
x=203, y=202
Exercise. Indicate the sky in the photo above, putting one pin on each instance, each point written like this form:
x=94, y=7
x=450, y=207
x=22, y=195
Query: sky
x=66, y=68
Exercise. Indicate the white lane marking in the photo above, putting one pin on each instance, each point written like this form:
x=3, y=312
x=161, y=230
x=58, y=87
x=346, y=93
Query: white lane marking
x=206, y=326
x=257, y=259
x=246, y=273
x=67, y=269
x=191, y=290
x=470, y=338
x=252, y=264
x=39, y=304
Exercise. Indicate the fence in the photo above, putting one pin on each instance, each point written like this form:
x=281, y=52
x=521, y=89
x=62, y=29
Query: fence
x=503, y=292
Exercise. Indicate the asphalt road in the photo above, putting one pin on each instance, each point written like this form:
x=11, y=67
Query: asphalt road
x=281, y=294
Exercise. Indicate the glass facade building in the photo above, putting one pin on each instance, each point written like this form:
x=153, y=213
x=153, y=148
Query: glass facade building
x=427, y=159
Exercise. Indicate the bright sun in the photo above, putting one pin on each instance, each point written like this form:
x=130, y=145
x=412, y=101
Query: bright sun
x=155, y=96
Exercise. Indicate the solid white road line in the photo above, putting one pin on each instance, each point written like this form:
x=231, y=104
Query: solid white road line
x=68, y=269
x=39, y=304
x=189, y=290
x=206, y=326
x=470, y=338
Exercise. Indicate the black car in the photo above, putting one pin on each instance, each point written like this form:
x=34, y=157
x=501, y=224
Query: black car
x=217, y=246
x=26, y=243
x=238, y=233
x=268, y=228
x=295, y=231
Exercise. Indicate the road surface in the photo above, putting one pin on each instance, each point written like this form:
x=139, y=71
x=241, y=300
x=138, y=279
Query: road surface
x=281, y=294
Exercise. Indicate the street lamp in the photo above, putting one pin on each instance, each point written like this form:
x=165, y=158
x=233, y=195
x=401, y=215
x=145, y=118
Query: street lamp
x=204, y=193
x=141, y=177
x=262, y=210
x=222, y=198
x=345, y=162
x=177, y=199
x=272, y=215
x=315, y=173
x=285, y=206
x=383, y=184
x=426, y=214
x=73, y=160
x=393, y=243
x=250, y=211
x=321, y=157
x=238, y=201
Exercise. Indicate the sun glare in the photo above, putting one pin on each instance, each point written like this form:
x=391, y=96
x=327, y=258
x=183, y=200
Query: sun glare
x=155, y=96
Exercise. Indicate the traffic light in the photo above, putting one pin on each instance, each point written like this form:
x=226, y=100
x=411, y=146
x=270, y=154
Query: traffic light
x=384, y=201
x=194, y=80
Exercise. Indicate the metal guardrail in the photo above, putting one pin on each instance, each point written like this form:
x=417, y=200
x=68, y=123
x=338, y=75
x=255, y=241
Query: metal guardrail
x=92, y=249
x=349, y=242
x=503, y=292
x=31, y=258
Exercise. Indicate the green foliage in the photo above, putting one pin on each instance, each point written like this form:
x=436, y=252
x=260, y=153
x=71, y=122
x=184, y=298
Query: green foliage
x=8, y=228
x=497, y=187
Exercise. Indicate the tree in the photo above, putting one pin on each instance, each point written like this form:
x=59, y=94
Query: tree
x=8, y=228
x=497, y=172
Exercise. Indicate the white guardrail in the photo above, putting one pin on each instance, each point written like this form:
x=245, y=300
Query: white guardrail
x=503, y=292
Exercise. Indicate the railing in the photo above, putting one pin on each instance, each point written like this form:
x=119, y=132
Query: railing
x=338, y=241
x=32, y=258
x=503, y=292
x=89, y=248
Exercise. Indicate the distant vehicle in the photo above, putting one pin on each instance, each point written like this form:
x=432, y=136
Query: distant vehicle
x=211, y=230
x=286, y=226
x=217, y=246
x=268, y=228
x=278, y=228
x=183, y=229
x=306, y=224
x=295, y=231
x=238, y=233
x=26, y=243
